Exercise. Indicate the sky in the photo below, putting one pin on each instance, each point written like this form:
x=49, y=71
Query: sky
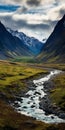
x=36, y=18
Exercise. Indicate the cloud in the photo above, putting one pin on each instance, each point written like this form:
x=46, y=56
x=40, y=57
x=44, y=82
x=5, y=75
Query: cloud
x=30, y=2
x=21, y=10
x=33, y=2
x=34, y=17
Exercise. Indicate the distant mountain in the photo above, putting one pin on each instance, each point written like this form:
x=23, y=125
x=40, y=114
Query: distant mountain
x=33, y=44
x=54, y=48
x=11, y=46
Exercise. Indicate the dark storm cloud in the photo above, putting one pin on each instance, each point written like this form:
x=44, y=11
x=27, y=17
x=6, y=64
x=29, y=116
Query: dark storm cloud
x=8, y=22
x=33, y=2
x=24, y=24
x=24, y=9
x=19, y=24
x=61, y=12
x=33, y=15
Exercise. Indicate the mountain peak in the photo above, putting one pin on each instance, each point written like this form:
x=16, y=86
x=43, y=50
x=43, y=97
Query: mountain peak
x=62, y=21
x=2, y=27
x=63, y=17
x=1, y=24
x=32, y=43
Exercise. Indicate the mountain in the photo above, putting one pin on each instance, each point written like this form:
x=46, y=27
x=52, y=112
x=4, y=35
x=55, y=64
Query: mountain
x=11, y=46
x=54, y=48
x=33, y=44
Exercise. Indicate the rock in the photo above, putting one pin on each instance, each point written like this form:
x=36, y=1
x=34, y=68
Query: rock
x=29, y=102
x=24, y=107
x=37, y=93
x=52, y=117
x=32, y=106
x=27, y=95
x=32, y=97
x=62, y=115
x=19, y=99
x=16, y=104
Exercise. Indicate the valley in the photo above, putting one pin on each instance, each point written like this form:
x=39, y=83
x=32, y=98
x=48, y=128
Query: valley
x=15, y=79
x=32, y=80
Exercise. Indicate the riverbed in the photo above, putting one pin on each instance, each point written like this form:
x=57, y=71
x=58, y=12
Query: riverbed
x=29, y=104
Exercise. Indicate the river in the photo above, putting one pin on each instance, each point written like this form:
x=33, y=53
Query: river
x=29, y=105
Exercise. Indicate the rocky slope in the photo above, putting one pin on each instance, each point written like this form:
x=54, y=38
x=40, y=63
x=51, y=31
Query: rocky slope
x=11, y=46
x=32, y=43
x=54, y=48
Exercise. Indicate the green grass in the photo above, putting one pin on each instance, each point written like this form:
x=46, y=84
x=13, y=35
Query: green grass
x=55, y=66
x=12, y=77
x=25, y=59
x=58, y=93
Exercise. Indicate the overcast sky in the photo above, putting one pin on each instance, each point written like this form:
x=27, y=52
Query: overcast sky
x=34, y=17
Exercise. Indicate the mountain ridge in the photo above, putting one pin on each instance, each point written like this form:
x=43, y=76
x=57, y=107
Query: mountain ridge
x=33, y=44
x=54, y=48
x=12, y=46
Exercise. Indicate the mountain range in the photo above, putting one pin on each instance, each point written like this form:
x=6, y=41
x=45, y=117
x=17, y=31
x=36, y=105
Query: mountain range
x=54, y=48
x=33, y=44
x=14, y=44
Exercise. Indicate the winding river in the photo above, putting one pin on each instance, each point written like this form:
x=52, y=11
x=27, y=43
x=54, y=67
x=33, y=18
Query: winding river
x=29, y=105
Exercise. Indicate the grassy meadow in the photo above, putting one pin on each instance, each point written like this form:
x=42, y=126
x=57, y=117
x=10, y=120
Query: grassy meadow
x=25, y=59
x=13, y=76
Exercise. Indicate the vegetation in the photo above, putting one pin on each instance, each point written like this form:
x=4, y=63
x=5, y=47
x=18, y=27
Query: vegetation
x=11, y=120
x=58, y=93
x=55, y=66
x=25, y=59
x=13, y=78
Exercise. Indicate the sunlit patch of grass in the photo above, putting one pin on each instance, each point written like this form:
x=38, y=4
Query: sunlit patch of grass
x=25, y=59
x=58, y=93
x=55, y=66
x=12, y=76
x=51, y=60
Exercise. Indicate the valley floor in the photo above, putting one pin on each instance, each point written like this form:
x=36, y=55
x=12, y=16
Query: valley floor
x=13, y=82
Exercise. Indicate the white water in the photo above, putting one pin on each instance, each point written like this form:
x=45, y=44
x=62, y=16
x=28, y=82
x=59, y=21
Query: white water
x=30, y=105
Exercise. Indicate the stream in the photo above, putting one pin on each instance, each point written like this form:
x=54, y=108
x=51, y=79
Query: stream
x=29, y=105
